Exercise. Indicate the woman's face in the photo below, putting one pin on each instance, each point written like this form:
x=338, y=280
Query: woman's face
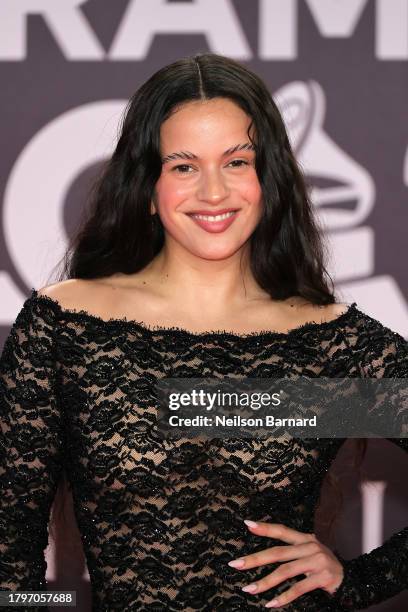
x=199, y=173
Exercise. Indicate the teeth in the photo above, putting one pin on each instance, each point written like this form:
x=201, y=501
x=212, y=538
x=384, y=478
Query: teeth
x=216, y=217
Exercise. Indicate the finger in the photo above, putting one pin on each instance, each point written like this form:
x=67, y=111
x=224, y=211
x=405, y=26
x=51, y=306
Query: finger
x=282, y=573
x=295, y=591
x=275, y=554
x=280, y=532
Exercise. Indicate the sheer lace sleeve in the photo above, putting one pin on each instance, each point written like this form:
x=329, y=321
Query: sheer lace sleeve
x=31, y=448
x=376, y=576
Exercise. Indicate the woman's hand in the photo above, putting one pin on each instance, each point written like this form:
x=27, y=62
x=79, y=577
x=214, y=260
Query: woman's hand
x=306, y=555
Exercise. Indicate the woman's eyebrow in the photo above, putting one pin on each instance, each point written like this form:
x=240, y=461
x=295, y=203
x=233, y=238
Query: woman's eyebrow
x=187, y=155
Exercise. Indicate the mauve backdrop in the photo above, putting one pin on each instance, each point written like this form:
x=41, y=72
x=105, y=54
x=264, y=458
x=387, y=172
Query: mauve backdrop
x=338, y=71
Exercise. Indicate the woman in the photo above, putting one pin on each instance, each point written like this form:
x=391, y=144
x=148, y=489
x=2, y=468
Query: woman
x=157, y=285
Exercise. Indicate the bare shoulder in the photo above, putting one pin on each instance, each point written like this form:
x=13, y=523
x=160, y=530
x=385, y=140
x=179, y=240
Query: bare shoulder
x=306, y=311
x=66, y=288
x=329, y=311
x=74, y=293
x=103, y=297
x=338, y=308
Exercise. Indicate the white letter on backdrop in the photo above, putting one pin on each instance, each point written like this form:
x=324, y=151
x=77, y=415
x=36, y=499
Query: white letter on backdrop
x=215, y=19
x=65, y=20
x=278, y=25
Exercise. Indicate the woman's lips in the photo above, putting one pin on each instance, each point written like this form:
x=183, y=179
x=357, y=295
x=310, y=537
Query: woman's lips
x=214, y=227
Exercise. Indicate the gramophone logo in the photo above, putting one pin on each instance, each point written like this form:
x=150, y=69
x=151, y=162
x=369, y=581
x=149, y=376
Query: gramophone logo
x=344, y=194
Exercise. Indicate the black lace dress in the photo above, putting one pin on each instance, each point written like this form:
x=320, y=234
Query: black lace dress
x=160, y=519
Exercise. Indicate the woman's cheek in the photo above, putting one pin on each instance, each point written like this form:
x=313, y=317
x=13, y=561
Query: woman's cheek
x=252, y=194
x=171, y=193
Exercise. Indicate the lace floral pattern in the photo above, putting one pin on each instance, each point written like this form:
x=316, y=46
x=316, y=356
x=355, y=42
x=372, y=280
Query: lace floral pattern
x=160, y=519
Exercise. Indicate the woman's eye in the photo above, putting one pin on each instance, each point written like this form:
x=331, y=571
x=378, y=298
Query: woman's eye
x=239, y=161
x=181, y=168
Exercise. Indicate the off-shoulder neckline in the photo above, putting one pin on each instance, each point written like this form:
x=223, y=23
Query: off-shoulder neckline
x=141, y=326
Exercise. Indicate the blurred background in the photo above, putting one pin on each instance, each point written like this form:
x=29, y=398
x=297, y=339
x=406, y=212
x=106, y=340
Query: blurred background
x=338, y=72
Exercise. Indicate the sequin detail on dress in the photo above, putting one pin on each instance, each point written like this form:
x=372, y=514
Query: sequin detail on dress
x=160, y=520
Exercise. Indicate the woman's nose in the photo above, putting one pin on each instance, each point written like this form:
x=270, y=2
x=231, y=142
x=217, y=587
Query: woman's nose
x=213, y=187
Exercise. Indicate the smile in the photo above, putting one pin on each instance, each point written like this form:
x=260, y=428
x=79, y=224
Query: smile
x=215, y=217
x=214, y=223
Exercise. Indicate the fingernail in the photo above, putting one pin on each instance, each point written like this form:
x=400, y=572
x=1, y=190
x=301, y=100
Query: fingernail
x=250, y=588
x=251, y=523
x=272, y=604
x=237, y=563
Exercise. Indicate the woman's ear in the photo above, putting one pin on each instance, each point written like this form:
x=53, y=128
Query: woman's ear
x=153, y=207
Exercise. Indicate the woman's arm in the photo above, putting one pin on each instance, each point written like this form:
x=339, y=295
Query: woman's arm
x=31, y=446
x=382, y=573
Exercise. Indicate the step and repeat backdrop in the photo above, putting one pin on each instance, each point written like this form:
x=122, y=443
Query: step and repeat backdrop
x=338, y=71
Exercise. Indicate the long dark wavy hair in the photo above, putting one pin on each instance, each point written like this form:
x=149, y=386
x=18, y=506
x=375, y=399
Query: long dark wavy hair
x=117, y=233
